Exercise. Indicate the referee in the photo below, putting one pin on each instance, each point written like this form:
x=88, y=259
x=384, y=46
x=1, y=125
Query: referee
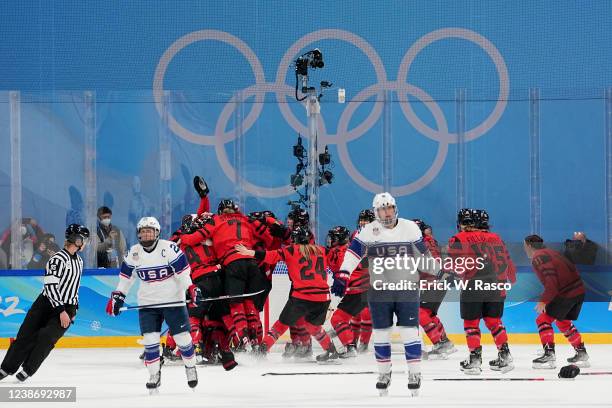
x=53, y=310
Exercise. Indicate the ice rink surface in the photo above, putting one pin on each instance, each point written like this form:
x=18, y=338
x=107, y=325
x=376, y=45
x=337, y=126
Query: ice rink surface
x=116, y=377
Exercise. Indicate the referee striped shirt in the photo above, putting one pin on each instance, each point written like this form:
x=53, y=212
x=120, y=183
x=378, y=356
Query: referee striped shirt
x=62, y=279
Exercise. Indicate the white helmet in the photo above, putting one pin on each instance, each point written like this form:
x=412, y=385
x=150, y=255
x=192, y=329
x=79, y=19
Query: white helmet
x=148, y=222
x=382, y=200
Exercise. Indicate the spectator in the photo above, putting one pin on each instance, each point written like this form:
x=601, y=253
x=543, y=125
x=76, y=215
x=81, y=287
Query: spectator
x=580, y=250
x=109, y=240
x=43, y=251
x=31, y=233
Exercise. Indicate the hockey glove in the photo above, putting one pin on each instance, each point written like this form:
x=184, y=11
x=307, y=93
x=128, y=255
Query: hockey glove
x=569, y=371
x=278, y=230
x=115, y=303
x=200, y=186
x=340, y=283
x=194, y=295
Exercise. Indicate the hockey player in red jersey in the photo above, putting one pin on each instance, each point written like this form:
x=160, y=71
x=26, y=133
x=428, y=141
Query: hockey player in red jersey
x=309, y=297
x=211, y=321
x=228, y=228
x=300, y=345
x=560, y=302
x=263, y=223
x=355, y=300
x=431, y=299
x=492, y=264
x=361, y=324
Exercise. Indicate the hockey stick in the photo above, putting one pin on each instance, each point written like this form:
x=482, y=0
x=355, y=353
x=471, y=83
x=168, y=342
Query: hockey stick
x=503, y=379
x=181, y=303
x=321, y=373
x=436, y=379
x=598, y=373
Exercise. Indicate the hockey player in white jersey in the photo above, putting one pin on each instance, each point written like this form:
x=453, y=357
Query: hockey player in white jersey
x=164, y=275
x=396, y=252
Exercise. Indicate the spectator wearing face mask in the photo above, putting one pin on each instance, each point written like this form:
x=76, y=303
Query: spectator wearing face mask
x=31, y=233
x=580, y=250
x=110, y=241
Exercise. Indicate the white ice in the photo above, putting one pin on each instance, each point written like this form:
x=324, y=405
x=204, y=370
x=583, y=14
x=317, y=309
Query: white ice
x=116, y=377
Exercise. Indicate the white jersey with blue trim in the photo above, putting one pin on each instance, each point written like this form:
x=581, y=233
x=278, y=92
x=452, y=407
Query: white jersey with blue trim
x=377, y=241
x=164, y=273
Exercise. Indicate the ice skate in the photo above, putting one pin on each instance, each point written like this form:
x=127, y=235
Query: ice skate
x=362, y=348
x=171, y=355
x=472, y=365
x=192, y=376
x=154, y=383
x=350, y=352
x=581, y=359
x=414, y=383
x=546, y=360
x=290, y=350
x=383, y=383
x=303, y=352
x=22, y=376
x=262, y=351
x=503, y=362
x=330, y=356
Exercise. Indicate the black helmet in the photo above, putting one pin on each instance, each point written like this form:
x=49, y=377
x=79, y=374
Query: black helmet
x=420, y=223
x=482, y=219
x=301, y=235
x=76, y=232
x=466, y=217
x=225, y=204
x=268, y=213
x=299, y=216
x=338, y=235
x=187, y=224
x=257, y=215
x=366, y=215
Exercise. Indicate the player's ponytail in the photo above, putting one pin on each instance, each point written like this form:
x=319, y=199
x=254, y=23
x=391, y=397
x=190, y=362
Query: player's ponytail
x=308, y=250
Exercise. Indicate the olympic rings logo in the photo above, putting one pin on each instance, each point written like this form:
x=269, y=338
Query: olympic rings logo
x=343, y=134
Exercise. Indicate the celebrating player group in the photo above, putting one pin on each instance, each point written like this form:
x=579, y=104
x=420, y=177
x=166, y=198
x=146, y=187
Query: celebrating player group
x=210, y=281
x=217, y=269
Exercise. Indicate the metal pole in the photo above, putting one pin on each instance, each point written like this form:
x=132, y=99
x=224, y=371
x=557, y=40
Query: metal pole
x=16, y=248
x=460, y=117
x=165, y=168
x=608, y=119
x=387, y=142
x=239, y=150
x=535, y=178
x=313, y=109
x=90, y=173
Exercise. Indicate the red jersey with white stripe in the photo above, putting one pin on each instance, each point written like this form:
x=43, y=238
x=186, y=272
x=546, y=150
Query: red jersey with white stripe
x=308, y=275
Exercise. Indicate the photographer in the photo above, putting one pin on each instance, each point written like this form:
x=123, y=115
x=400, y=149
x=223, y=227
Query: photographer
x=43, y=251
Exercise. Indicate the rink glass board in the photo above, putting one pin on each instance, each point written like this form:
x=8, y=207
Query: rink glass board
x=18, y=289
